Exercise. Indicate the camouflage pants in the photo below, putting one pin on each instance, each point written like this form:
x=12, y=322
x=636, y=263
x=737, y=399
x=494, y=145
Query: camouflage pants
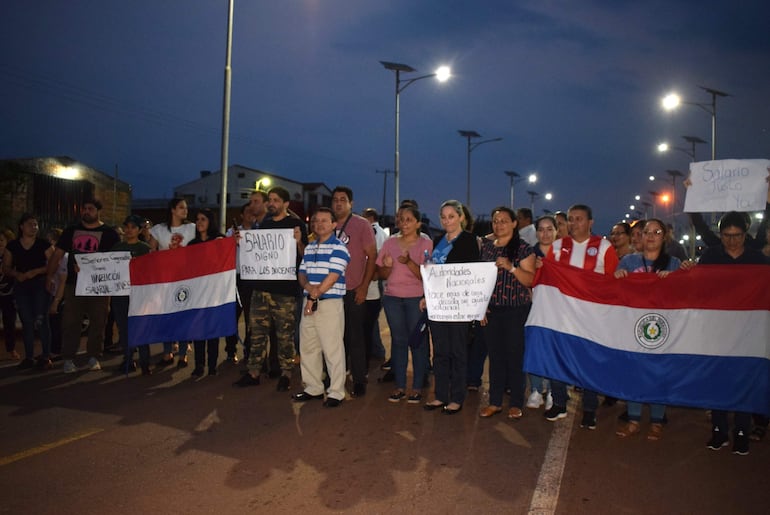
x=271, y=309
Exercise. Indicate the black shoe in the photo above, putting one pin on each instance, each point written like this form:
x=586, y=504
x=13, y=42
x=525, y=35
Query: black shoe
x=741, y=444
x=247, y=380
x=433, y=407
x=589, y=420
x=127, y=367
x=387, y=377
x=449, y=411
x=718, y=440
x=304, y=397
x=331, y=402
x=26, y=364
x=165, y=362
x=386, y=366
x=182, y=363
x=609, y=401
x=213, y=371
x=359, y=390
x=283, y=384
x=198, y=372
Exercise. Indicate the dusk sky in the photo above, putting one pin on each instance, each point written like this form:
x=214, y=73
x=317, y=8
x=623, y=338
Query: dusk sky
x=573, y=88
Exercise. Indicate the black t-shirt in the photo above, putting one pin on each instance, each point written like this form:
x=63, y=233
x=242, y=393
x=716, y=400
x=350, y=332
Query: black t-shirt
x=716, y=255
x=78, y=239
x=283, y=287
x=25, y=260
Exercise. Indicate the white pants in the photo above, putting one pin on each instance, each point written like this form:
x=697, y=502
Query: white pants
x=321, y=337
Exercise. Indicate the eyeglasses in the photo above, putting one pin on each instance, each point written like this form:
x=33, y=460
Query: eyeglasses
x=732, y=235
x=656, y=232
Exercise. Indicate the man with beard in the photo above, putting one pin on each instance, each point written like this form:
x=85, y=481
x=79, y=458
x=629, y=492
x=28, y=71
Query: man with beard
x=273, y=303
x=88, y=236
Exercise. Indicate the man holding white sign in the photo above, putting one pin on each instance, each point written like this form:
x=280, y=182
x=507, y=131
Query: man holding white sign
x=727, y=185
x=274, y=299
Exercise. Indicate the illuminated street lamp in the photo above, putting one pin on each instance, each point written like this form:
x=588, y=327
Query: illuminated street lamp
x=692, y=140
x=515, y=178
x=469, y=135
x=672, y=101
x=442, y=74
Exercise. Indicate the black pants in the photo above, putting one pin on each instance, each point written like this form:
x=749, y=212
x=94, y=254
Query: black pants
x=202, y=347
x=355, y=343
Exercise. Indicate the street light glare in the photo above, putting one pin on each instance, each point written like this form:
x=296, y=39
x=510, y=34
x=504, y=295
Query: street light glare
x=652, y=178
x=532, y=178
x=663, y=147
x=665, y=198
x=548, y=196
x=443, y=73
x=671, y=101
x=637, y=197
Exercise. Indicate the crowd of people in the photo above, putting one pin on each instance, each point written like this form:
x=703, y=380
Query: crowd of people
x=348, y=269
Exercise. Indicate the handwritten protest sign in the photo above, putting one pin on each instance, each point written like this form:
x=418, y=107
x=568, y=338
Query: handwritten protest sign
x=268, y=255
x=458, y=292
x=103, y=274
x=727, y=185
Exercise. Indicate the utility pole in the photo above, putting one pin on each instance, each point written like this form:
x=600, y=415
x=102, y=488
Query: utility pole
x=384, y=187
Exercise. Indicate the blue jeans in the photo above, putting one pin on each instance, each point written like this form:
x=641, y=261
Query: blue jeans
x=32, y=306
x=538, y=384
x=657, y=412
x=403, y=315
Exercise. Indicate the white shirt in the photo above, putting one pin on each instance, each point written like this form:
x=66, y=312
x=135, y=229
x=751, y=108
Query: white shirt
x=529, y=234
x=162, y=233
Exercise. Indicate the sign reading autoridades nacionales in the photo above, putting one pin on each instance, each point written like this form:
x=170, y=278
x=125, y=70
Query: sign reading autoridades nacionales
x=458, y=292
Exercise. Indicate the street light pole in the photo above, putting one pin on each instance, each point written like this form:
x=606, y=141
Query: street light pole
x=692, y=140
x=513, y=176
x=442, y=74
x=471, y=147
x=674, y=174
x=226, y=122
x=672, y=101
x=385, y=187
x=532, y=196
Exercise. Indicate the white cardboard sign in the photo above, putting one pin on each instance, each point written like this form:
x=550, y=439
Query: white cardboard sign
x=268, y=255
x=458, y=292
x=103, y=274
x=727, y=185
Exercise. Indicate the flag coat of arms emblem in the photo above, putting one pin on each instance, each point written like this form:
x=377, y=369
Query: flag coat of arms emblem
x=183, y=294
x=697, y=338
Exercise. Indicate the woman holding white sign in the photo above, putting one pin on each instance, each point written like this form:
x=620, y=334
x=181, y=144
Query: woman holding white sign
x=399, y=263
x=507, y=312
x=451, y=339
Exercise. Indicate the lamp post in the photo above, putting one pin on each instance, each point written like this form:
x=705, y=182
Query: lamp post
x=226, y=121
x=469, y=135
x=672, y=101
x=385, y=187
x=515, y=177
x=692, y=140
x=442, y=74
x=532, y=196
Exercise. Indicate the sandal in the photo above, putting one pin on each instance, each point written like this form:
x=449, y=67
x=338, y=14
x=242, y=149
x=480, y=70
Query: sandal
x=630, y=429
x=656, y=432
x=490, y=411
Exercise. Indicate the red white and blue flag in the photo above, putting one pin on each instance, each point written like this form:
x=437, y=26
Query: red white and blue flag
x=696, y=338
x=183, y=294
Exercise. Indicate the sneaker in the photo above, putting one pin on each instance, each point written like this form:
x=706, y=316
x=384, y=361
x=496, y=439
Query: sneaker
x=535, y=400
x=589, y=420
x=396, y=397
x=69, y=367
x=386, y=366
x=548, y=401
x=93, y=364
x=555, y=413
x=718, y=440
x=741, y=444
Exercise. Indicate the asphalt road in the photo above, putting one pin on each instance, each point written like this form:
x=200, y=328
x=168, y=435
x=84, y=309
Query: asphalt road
x=100, y=442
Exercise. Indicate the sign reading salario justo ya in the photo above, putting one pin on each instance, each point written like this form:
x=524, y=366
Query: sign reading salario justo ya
x=268, y=255
x=103, y=274
x=458, y=292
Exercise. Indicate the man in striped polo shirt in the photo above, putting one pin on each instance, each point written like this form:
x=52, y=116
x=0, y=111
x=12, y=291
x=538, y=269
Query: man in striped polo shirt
x=322, y=329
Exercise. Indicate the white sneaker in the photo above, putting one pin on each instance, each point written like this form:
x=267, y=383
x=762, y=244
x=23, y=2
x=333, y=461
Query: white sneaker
x=93, y=364
x=548, y=401
x=69, y=367
x=535, y=400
